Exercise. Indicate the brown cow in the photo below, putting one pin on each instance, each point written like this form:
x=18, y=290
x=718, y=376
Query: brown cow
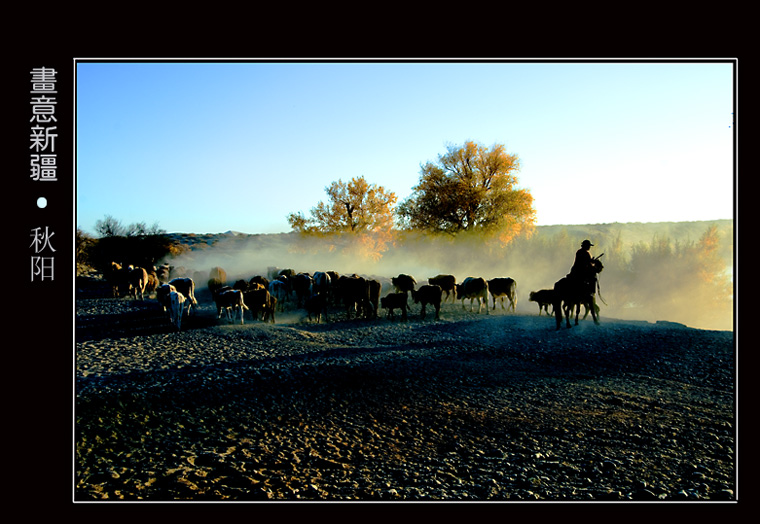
x=137, y=280
x=260, y=302
x=447, y=283
x=230, y=301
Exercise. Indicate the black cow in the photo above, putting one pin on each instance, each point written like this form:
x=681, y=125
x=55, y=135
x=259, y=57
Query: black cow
x=258, y=279
x=302, y=284
x=373, y=289
x=316, y=305
x=322, y=284
x=544, y=298
x=354, y=291
x=393, y=301
x=428, y=294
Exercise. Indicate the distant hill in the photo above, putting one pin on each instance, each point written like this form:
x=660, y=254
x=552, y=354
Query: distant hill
x=630, y=233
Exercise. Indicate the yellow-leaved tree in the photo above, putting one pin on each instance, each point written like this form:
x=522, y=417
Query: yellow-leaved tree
x=357, y=212
x=471, y=188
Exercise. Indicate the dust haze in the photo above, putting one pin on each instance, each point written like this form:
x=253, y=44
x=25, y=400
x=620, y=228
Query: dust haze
x=672, y=285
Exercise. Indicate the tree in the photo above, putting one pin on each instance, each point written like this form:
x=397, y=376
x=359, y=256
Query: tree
x=357, y=214
x=109, y=227
x=355, y=207
x=470, y=189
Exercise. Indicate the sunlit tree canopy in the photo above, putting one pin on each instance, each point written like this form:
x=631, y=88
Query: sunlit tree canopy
x=471, y=188
x=356, y=207
x=356, y=212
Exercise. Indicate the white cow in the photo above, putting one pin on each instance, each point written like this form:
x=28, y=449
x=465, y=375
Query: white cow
x=186, y=286
x=176, y=306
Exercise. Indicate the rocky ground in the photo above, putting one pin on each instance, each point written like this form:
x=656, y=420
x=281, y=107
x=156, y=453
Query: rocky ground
x=471, y=407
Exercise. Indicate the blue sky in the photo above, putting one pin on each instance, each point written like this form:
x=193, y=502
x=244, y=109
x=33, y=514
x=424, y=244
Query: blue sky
x=211, y=147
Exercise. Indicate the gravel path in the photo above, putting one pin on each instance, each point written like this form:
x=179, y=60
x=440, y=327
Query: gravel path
x=468, y=408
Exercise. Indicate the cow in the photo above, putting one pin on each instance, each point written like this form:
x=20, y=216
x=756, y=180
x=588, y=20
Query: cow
x=374, y=289
x=544, y=298
x=278, y=290
x=230, y=301
x=473, y=288
x=354, y=291
x=403, y=283
x=287, y=288
x=302, y=285
x=258, y=279
x=393, y=301
x=217, y=273
x=260, y=302
x=428, y=294
x=186, y=286
x=332, y=297
x=116, y=276
x=447, y=283
x=287, y=273
x=214, y=285
x=322, y=284
x=162, y=297
x=502, y=288
x=137, y=280
x=176, y=306
x=153, y=282
x=316, y=305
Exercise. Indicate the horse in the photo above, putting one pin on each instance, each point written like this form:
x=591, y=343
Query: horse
x=576, y=291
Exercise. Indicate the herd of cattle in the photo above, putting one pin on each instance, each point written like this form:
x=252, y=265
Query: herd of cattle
x=261, y=298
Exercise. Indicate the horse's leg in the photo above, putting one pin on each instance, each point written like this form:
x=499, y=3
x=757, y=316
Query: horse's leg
x=577, y=312
x=594, y=312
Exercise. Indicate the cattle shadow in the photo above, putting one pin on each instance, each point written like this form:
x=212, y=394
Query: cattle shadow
x=137, y=319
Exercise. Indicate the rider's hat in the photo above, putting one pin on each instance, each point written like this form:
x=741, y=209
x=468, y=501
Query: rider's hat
x=586, y=243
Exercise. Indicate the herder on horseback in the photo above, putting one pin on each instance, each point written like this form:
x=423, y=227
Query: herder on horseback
x=578, y=287
x=584, y=263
